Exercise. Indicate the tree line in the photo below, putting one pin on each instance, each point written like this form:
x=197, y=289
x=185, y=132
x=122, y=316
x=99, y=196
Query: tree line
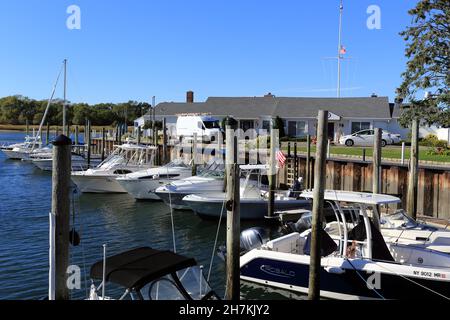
x=19, y=110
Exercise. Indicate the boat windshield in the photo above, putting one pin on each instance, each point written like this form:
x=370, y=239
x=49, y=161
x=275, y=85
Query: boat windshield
x=112, y=162
x=397, y=219
x=177, y=163
x=212, y=174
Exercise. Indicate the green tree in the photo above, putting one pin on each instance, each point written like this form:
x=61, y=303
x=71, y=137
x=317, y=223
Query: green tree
x=427, y=69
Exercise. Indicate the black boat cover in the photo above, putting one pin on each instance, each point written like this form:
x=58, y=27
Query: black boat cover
x=135, y=268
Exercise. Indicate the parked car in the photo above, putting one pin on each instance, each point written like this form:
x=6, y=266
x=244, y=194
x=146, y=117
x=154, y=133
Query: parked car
x=207, y=128
x=366, y=138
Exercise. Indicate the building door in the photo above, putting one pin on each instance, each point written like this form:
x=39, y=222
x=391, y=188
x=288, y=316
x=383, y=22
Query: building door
x=331, y=131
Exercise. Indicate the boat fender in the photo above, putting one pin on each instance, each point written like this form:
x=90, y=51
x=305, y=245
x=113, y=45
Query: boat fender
x=74, y=238
x=334, y=270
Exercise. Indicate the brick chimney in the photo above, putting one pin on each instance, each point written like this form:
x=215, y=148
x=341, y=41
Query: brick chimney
x=190, y=97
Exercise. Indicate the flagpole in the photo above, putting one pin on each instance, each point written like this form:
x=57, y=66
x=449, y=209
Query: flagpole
x=341, y=9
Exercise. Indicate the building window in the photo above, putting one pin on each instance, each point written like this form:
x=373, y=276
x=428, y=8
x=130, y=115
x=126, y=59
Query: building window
x=358, y=126
x=266, y=125
x=297, y=128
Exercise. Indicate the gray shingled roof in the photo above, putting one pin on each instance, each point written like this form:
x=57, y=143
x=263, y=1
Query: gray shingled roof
x=254, y=107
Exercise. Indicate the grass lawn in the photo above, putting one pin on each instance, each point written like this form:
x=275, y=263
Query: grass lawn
x=386, y=152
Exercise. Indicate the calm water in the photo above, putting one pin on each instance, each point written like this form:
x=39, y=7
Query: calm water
x=117, y=220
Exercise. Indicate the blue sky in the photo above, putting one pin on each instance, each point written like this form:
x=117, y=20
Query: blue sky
x=132, y=50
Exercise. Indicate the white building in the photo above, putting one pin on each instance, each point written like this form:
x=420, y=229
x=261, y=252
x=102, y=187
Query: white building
x=347, y=115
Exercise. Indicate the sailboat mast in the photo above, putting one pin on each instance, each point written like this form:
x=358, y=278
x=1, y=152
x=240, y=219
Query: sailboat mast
x=339, y=56
x=65, y=100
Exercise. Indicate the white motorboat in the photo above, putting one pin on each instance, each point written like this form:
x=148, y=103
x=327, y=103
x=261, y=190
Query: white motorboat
x=253, y=198
x=79, y=163
x=142, y=184
x=400, y=228
x=356, y=263
x=125, y=159
x=149, y=274
x=20, y=151
x=209, y=180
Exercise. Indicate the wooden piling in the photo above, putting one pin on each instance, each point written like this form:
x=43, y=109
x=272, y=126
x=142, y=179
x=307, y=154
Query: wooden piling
x=89, y=144
x=233, y=218
x=272, y=175
x=27, y=128
x=376, y=162
x=194, y=155
x=60, y=211
x=318, y=204
x=295, y=161
x=308, y=162
x=413, y=171
x=47, y=135
x=164, y=145
x=103, y=143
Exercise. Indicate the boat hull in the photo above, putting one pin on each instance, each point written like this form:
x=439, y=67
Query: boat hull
x=250, y=209
x=173, y=199
x=14, y=155
x=142, y=189
x=353, y=283
x=97, y=183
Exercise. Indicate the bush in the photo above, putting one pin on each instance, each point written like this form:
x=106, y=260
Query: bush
x=432, y=140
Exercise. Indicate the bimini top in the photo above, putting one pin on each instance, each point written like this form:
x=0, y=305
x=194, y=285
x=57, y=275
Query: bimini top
x=135, y=268
x=354, y=197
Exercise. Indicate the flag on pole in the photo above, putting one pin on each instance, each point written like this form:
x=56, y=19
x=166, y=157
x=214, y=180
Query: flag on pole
x=343, y=50
x=281, y=158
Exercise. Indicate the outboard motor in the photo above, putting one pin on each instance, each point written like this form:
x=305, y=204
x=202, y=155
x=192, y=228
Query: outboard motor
x=304, y=223
x=253, y=238
x=250, y=239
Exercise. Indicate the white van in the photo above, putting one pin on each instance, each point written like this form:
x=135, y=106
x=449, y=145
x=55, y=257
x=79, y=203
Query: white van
x=206, y=127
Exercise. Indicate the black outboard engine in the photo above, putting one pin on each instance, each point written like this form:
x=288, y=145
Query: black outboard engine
x=304, y=223
x=250, y=239
x=253, y=238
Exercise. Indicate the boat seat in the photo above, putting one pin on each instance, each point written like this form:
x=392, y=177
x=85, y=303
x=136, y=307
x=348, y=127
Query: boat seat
x=328, y=246
x=288, y=243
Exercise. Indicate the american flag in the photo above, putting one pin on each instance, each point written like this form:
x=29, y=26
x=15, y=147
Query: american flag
x=281, y=158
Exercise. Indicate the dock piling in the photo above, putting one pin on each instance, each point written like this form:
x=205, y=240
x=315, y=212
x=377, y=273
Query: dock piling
x=318, y=204
x=308, y=162
x=60, y=217
x=233, y=218
x=272, y=172
x=411, y=206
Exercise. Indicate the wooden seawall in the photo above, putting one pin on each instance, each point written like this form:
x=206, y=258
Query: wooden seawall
x=356, y=175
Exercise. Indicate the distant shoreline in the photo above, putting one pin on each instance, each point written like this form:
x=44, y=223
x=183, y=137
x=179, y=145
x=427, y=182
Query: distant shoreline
x=22, y=127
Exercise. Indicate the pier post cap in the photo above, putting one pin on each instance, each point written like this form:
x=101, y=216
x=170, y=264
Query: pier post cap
x=62, y=140
x=230, y=121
